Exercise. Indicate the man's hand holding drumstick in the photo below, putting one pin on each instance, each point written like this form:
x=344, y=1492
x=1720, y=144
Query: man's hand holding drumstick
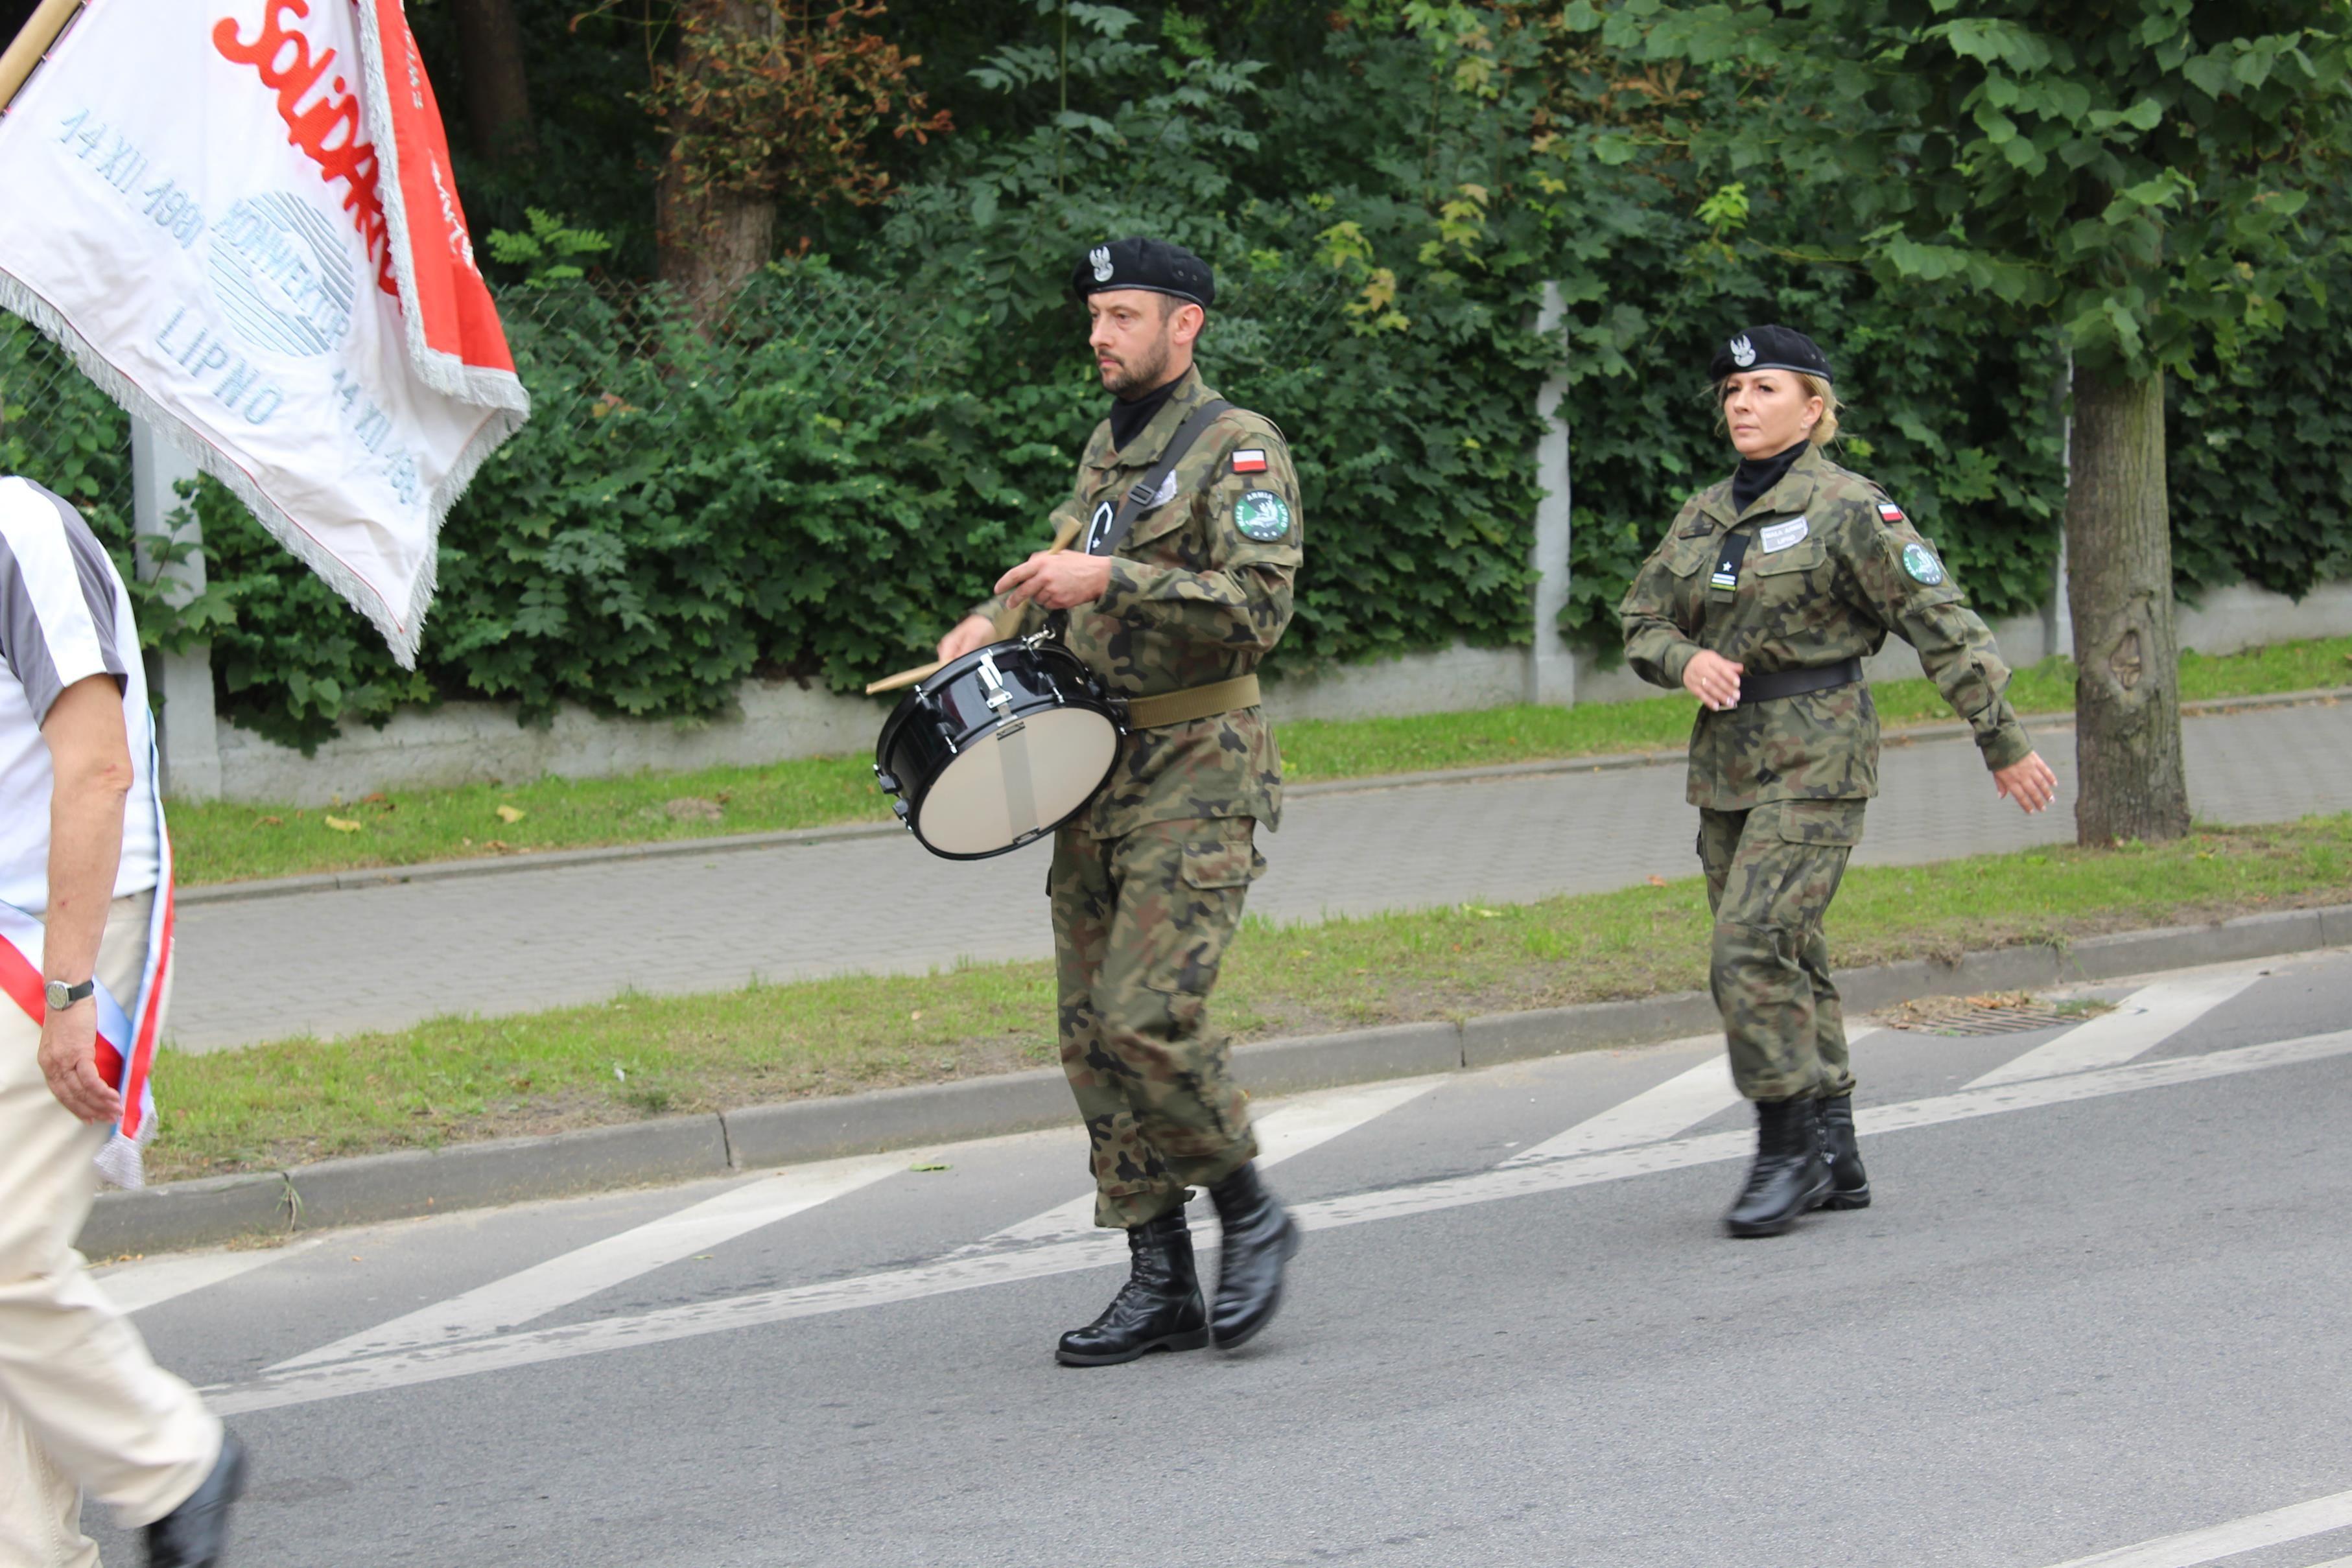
x=1051, y=579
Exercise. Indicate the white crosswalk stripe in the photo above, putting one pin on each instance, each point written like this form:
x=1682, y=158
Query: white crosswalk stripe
x=2141, y=1022
x=1684, y=1100
x=1681, y=1103
x=557, y=1283
x=431, y=1362
x=151, y=1281
x=1285, y=1130
x=2214, y=1542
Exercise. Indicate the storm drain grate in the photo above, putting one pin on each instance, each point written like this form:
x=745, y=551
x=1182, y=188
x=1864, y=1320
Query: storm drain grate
x=1997, y=1012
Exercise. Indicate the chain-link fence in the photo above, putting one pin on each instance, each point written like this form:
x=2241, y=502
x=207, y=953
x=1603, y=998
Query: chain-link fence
x=800, y=483
x=59, y=429
x=588, y=350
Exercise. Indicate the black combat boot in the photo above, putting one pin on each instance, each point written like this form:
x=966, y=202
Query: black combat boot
x=1789, y=1177
x=1260, y=1237
x=1849, y=1183
x=193, y=1534
x=1159, y=1307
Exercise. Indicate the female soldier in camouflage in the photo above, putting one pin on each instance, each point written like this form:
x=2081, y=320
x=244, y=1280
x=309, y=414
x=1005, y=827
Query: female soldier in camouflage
x=1762, y=601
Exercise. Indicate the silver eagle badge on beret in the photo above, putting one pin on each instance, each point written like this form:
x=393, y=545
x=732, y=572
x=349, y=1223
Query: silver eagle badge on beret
x=1100, y=257
x=1743, y=352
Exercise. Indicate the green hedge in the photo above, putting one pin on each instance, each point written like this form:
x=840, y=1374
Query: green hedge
x=813, y=488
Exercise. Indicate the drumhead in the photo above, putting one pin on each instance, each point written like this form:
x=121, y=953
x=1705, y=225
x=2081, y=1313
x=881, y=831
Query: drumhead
x=1017, y=783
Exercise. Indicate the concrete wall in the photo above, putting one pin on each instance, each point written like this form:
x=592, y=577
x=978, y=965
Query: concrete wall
x=461, y=743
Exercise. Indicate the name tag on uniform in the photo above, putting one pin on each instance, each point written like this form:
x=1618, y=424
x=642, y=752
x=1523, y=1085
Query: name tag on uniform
x=1781, y=536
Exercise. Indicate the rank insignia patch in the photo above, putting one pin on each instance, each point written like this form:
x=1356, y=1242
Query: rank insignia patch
x=1249, y=460
x=1888, y=512
x=1262, y=516
x=1921, y=563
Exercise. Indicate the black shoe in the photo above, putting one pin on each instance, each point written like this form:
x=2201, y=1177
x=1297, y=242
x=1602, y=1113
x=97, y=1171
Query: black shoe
x=1849, y=1183
x=1789, y=1177
x=193, y=1534
x=1159, y=1307
x=1260, y=1237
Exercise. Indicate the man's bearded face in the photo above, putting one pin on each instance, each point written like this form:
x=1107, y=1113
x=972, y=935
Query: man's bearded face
x=1132, y=338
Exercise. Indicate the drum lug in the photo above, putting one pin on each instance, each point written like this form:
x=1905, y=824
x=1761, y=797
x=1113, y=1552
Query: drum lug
x=1000, y=701
x=889, y=785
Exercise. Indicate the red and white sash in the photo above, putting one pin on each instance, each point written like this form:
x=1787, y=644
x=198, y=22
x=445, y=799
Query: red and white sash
x=126, y=1036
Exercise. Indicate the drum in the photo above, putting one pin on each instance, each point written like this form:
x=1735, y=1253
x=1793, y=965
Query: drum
x=997, y=748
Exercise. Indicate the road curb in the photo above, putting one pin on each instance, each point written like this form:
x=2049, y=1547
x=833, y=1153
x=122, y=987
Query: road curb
x=677, y=1148
x=788, y=838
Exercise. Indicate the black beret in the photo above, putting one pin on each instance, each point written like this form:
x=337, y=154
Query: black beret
x=1152, y=264
x=1768, y=349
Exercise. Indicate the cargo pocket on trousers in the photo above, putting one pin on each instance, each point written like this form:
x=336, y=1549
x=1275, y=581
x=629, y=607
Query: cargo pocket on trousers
x=1227, y=863
x=1825, y=822
x=1217, y=873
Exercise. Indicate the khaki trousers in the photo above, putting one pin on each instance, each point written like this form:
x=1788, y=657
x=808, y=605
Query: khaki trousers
x=82, y=1406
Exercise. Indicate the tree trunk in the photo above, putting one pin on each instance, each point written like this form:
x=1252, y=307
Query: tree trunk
x=498, y=94
x=713, y=241
x=2119, y=588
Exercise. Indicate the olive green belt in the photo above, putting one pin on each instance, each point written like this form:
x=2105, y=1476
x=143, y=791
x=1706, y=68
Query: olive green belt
x=1192, y=702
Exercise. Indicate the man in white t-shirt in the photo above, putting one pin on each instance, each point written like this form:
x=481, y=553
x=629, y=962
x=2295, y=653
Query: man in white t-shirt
x=82, y=1406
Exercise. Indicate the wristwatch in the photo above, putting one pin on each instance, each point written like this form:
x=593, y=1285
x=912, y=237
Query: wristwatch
x=62, y=995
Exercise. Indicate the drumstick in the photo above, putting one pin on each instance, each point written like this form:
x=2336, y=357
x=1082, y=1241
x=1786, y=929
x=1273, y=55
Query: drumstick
x=1007, y=621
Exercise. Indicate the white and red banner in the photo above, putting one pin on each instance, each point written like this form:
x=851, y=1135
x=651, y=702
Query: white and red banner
x=238, y=217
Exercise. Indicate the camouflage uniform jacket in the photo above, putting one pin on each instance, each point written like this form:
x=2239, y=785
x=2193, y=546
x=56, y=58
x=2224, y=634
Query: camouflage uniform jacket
x=1199, y=592
x=1832, y=566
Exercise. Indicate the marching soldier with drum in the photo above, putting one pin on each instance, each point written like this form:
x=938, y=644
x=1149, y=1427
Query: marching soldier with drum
x=1188, y=533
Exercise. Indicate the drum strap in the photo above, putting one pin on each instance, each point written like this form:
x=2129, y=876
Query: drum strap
x=1192, y=702
x=1140, y=495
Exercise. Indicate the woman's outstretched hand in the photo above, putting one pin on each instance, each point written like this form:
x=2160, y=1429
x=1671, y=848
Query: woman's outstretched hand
x=1713, y=679
x=2029, y=782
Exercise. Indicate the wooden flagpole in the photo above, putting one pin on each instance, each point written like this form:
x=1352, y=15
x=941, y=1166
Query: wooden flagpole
x=49, y=20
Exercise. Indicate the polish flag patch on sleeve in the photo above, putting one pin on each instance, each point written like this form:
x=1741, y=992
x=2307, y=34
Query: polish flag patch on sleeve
x=1250, y=460
x=1888, y=512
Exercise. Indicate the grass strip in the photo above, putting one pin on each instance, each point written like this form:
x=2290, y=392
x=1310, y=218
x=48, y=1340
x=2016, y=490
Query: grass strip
x=458, y=1079
x=222, y=841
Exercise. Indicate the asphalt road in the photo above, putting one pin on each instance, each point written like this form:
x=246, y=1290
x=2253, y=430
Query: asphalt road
x=2103, y=1299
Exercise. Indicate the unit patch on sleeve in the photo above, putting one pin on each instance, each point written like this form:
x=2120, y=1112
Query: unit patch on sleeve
x=1888, y=512
x=1262, y=516
x=1250, y=460
x=1921, y=563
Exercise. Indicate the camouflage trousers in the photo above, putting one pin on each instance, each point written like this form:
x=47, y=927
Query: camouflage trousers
x=1140, y=924
x=1772, y=872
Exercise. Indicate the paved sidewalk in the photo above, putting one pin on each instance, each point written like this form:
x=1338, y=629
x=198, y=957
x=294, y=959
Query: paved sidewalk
x=336, y=961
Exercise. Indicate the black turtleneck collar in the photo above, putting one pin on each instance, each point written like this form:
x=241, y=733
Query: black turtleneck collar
x=1755, y=476
x=1128, y=418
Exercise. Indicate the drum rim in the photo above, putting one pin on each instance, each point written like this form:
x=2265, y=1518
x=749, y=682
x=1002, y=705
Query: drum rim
x=1083, y=700
x=915, y=806
x=965, y=665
